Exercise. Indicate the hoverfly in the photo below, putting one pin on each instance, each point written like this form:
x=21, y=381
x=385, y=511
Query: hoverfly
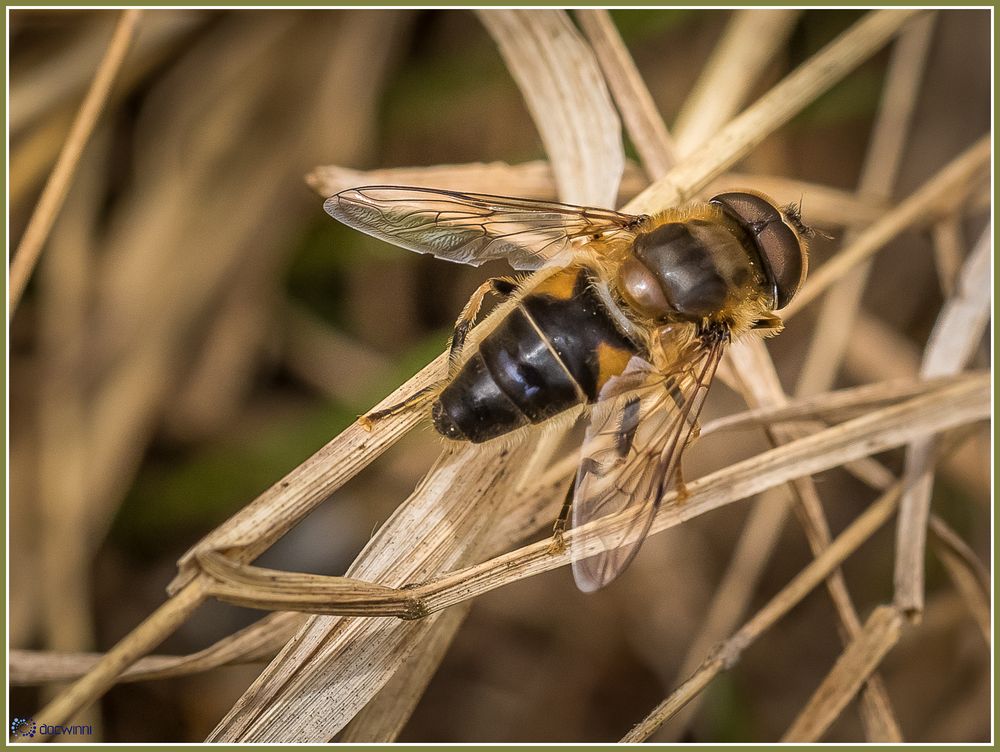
x=625, y=320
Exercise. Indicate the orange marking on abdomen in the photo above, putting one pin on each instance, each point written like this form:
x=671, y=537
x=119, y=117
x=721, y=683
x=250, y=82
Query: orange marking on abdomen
x=559, y=285
x=611, y=362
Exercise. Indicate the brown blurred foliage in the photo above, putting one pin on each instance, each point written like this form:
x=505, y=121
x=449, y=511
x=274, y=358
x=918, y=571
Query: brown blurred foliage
x=197, y=327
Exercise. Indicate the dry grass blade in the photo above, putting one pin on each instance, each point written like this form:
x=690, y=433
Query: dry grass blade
x=732, y=597
x=878, y=176
x=256, y=587
x=962, y=322
x=54, y=193
x=747, y=47
x=643, y=121
x=728, y=653
x=949, y=248
x=878, y=477
x=956, y=334
x=944, y=408
x=250, y=532
x=312, y=690
x=383, y=718
x=831, y=405
x=365, y=675
x=783, y=101
x=254, y=643
x=170, y=256
x=559, y=77
x=751, y=357
x=855, y=665
x=528, y=179
x=950, y=185
x=424, y=536
x=971, y=577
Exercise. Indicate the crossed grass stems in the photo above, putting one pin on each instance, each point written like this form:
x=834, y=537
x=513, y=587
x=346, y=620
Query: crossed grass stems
x=804, y=432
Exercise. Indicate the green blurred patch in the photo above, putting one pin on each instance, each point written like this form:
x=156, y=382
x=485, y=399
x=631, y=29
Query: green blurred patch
x=728, y=710
x=178, y=498
x=854, y=98
x=637, y=26
x=817, y=28
x=629, y=146
x=438, y=86
x=962, y=513
x=316, y=275
x=956, y=507
x=445, y=84
x=404, y=365
x=422, y=353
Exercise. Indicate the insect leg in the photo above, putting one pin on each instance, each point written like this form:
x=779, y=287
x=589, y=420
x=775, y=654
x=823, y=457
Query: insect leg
x=769, y=323
x=558, y=544
x=414, y=401
x=502, y=286
x=679, y=486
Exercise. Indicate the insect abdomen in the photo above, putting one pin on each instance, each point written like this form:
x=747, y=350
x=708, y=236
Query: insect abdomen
x=555, y=350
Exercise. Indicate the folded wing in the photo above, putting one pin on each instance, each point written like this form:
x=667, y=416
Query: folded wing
x=473, y=228
x=632, y=448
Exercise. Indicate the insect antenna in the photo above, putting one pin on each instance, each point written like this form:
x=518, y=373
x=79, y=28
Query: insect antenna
x=793, y=212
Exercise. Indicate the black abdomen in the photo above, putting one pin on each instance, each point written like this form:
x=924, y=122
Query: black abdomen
x=555, y=350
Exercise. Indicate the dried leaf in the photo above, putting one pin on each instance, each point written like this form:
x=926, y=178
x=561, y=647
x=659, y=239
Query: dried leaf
x=856, y=663
x=957, y=332
x=257, y=642
x=644, y=123
x=568, y=100
x=728, y=653
x=747, y=46
x=878, y=176
x=951, y=404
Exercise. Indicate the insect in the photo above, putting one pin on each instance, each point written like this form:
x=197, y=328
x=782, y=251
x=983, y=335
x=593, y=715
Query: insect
x=625, y=320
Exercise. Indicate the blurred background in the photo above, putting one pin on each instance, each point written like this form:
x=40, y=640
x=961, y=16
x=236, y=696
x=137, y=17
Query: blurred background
x=198, y=326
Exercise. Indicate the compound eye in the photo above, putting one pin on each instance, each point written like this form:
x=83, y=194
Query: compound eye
x=784, y=254
x=782, y=251
x=748, y=209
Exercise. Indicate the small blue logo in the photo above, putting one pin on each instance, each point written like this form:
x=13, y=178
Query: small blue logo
x=23, y=728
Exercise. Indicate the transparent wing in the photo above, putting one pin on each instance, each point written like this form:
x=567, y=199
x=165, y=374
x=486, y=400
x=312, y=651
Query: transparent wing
x=632, y=448
x=472, y=228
